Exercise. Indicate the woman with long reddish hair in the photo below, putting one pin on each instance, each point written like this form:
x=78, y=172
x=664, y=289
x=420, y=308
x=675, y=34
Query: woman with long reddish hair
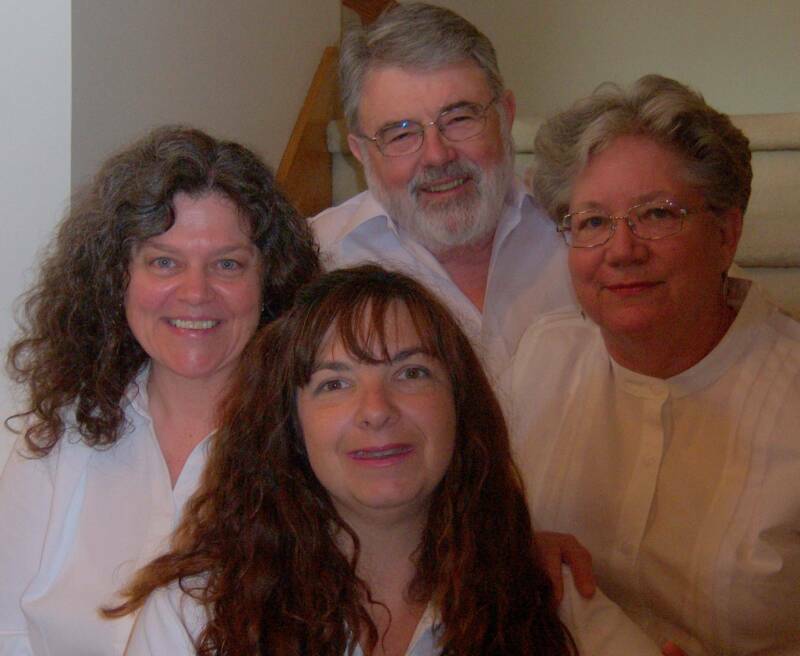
x=361, y=499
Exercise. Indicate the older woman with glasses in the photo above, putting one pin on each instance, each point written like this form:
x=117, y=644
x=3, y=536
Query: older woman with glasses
x=666, y=432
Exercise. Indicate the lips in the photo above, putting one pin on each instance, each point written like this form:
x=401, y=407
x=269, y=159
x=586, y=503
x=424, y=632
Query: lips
x=632, y=288
x=382, y=454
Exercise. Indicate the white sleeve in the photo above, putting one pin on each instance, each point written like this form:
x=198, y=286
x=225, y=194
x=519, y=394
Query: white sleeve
x=599, y=626
x=26, y=496
x=168, y=623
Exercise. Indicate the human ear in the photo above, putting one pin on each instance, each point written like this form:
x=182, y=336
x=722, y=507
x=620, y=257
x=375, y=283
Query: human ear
x=730, y=226
x=509, y=105
x=355, y=147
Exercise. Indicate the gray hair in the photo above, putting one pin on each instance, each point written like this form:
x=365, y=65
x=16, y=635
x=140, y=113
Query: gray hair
x=717, y=154
x=416, y=36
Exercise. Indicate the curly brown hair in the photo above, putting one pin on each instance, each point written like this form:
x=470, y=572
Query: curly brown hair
x=257, y=545
x=76, y=355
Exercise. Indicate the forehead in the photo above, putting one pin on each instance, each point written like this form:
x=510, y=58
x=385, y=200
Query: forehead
x=630, y=169
x=370, y=335
x=209, y=219
x=392, y=93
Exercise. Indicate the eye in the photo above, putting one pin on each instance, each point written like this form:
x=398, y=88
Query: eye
x=659, y=213
x=162, y=262
x=589, y=222
x=457, y=116
x=414, y=372
x=331, y=385
x=228, y=264
x=402, y=131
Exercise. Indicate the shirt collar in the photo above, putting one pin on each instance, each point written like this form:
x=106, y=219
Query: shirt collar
x=753, y=309
x=136, y=394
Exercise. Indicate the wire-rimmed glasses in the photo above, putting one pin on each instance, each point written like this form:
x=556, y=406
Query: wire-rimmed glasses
x=458, y=123
x=652, y=220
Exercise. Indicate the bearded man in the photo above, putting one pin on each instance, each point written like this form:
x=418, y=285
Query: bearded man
x=430, y=120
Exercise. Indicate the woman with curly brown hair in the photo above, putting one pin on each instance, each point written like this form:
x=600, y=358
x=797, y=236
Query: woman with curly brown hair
x=156, y=280
x=360, y=498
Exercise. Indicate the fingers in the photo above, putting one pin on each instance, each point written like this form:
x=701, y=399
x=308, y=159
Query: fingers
x=556, y=549
x=549, y=545
x=579, y=560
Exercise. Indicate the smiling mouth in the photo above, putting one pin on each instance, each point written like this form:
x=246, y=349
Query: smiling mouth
x=381, y=453
x=632, y=287
x=444, y=186
x=189, y=324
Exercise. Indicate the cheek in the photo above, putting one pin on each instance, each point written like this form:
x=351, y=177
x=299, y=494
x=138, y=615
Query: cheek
x=583, y=265
x=245, y=301
x=141, y=297
x=394, y=173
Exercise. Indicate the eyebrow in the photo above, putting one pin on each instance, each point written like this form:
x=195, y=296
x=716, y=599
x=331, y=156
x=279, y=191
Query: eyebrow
x=223, y=250
x=644, y=198
x=447, y=108
x=400, y=356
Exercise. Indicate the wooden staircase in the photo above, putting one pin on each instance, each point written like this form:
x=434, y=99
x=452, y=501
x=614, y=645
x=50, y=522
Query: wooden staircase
x=304, y=173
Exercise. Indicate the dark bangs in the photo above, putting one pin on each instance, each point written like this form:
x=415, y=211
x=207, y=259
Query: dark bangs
x=359, y=306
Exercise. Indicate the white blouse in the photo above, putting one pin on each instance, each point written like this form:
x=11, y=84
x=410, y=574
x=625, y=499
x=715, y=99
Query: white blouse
x=171, y=621
x=75, y=525
x=687, y=490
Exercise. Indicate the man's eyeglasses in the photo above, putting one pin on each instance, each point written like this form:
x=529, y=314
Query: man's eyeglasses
x=652, y=220
x=455, y=124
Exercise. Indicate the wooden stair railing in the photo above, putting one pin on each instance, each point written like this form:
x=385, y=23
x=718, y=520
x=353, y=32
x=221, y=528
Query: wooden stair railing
x=368, y=10
x=304, y=173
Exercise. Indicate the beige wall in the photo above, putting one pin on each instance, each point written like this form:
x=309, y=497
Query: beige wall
x=34, y=169
x=742, y=55
x=238, y=69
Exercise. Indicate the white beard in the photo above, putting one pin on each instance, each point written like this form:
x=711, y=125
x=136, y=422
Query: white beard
x=464, y=221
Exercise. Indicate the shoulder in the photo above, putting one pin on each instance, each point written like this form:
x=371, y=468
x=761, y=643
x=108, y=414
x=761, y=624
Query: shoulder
x=335, y=223
x=169, y=623
x=563, y=333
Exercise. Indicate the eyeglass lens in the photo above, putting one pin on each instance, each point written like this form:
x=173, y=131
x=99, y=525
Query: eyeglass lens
x=654, y=220
x=457, y=124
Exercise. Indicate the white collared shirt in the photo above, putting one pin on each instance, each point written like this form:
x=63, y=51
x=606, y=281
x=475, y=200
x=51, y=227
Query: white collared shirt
x=686, y=490
x=171, y=621
x=527, y=274
x=75, y=525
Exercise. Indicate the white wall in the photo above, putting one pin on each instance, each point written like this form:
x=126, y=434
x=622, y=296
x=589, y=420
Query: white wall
x=743, y=56
x=238, y=69
x=81, y=78
x=34, y=169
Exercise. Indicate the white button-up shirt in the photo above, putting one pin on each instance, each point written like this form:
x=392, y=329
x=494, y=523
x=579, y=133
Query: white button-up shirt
x=171, y=621
x=527, y=273
x=75, y=525
x=685, y=490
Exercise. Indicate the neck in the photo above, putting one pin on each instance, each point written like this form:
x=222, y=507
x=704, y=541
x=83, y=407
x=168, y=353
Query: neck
x=386, y=565
x=183, y=413
x=666, y=353
x=386, y=549
x=468, y=268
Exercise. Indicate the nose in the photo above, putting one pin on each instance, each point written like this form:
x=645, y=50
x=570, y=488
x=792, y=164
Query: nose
x=435, y=149
x=624, y=247
x=195, y=286
x=376, y=408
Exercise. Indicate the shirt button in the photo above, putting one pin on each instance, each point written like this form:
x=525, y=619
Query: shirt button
x=649, y=461
x=627, y=549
